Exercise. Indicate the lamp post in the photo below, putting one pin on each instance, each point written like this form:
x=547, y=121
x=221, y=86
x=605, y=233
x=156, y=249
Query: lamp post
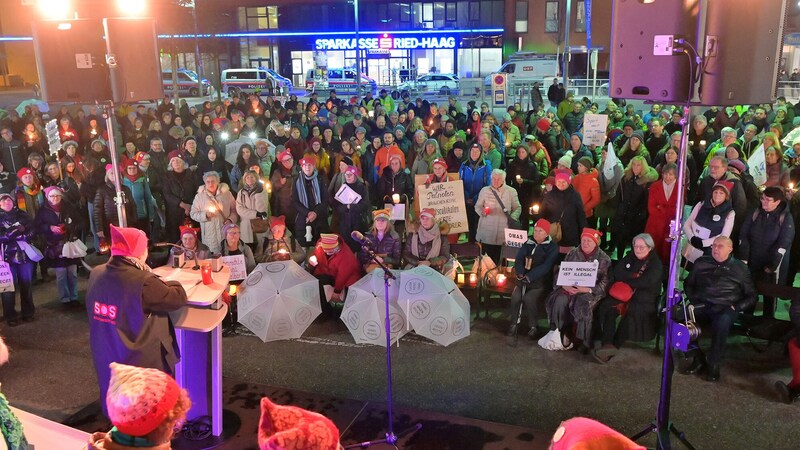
x=358, y=51
x=197, y=57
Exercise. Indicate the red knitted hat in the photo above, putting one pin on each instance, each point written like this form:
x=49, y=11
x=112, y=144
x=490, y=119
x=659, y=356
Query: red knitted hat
x=543, y=124
x=188, y=230
x=285, y=155
x=309, y=159
x=440, y=162
x=591, y=234
x=25, y=171
x=128, y=242
x=430, y=212
x=275, y=221
x=139, y=399
x=296, y=428
x=543, y=224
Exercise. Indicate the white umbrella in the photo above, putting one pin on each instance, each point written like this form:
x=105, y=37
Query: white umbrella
x=232, y=148
x=364, y=310
x=278, y=300
x=435, y=306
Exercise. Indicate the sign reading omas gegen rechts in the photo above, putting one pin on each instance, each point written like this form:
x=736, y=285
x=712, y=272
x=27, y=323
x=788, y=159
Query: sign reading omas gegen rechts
x=448, y=201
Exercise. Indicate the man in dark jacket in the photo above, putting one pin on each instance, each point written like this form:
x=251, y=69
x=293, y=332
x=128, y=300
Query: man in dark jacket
x=719, y=286
x=534, y=269
x=128, y=310
x=765, y=240
x=12, y=155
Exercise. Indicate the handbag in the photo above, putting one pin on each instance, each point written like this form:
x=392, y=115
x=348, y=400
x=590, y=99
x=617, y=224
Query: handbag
x=555, y=230
x=33, y=253
x=621, y=291
x=259, y=225
x=512, y=223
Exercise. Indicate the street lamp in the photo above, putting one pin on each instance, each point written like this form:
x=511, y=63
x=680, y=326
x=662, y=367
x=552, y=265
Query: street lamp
x=131, y=8
x=55, y=9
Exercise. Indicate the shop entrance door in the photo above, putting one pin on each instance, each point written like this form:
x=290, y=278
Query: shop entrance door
x=378, y=70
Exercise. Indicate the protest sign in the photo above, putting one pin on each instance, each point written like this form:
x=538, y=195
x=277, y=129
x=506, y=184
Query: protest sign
x=236, y=265
x=583, y=274
x=594, y=129
x=515, y=238
x=448, y=201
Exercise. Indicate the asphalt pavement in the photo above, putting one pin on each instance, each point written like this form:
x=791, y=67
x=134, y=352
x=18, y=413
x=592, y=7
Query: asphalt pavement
x=481, y=376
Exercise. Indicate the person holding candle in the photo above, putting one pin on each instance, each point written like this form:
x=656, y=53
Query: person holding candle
x=336, y=265
x=213, y=207
x=350, y=217
x=563, y=204
x=16, y=227
x=395, y=181
x=251, y=203
x=497, y=206
x=280, y=245
x=128, y=308
x=476, y=174
x=384, y=241
x=572, y=307
x=533, y=268
x=310, y=201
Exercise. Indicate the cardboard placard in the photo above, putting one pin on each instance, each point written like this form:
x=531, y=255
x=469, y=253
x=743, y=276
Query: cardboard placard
x=237, y=266
x=515, y=238
x=448, y=201
x=583, y=274
x=594, y=129
x=6, y=278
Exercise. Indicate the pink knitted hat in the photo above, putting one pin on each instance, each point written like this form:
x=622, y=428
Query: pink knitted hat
x=128, y=242
x=139, y=399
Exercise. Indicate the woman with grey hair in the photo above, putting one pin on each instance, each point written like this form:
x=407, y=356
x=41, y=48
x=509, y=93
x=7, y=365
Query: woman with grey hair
x=423, y=163
x=213, y=207
x=497, y=203
x=634, y=295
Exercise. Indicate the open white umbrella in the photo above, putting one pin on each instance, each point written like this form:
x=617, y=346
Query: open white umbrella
x=435, y=306
x=278, y=300
x=232, y=148
x=364, y=310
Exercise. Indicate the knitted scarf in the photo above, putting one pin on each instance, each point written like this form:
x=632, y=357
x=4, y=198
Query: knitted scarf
x=300, y=185
x=424, y=236
x=34, y=191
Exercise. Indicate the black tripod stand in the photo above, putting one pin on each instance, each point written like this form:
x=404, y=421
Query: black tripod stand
x=391, y=438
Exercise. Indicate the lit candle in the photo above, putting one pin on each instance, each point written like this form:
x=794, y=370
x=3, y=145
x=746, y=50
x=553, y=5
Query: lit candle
x=791, y=186
x=232, y=290
x=269, y=187
x=252, y=135
x=487, y=210
x=313, y=260
x=205, y=273
x=703, y=143
x=535, y=208
x=501, y=279
x=283, y=251
x=460, y=278
x=395, y=198
x=473, y=279
x=519, y=178
x=691, y=142
x=212, y=209
x=469, y=131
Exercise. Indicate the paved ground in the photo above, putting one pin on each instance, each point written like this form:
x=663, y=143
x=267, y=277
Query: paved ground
x=481, y=377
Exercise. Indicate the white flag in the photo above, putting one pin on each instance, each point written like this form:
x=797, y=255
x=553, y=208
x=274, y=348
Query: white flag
x=611, y=162
x=758, y=166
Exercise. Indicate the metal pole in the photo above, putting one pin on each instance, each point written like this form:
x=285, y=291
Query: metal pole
x=108, y=111
x=173, y=61
x=197, y=57
x=358, y=51
x=565, y=62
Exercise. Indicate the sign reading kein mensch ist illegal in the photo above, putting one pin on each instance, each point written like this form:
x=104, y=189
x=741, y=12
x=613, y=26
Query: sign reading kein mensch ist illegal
x=386, y=42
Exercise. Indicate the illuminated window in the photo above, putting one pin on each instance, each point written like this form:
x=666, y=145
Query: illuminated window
x=521, y=22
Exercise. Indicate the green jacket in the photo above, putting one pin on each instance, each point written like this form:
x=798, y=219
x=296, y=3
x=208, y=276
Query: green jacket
x=387, y=102
x=494, y=157
x=512, y=137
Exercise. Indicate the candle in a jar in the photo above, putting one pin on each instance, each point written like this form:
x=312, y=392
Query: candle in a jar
x=501, y=280
x=473, y=279
x=535, y=208
x=395, y=198
x=232, y=290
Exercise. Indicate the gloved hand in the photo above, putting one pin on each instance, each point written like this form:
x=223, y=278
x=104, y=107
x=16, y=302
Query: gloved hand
x=262, y=215
x=696, y=242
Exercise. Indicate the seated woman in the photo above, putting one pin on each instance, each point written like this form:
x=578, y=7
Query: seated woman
x=233, y=245
x=334, y=264
x=568, y=305
x=533, y=267
x=191, y=246
x=710, y=218
x=385, y=242
x=640, y=269
x=425, y=246
x=279, y=245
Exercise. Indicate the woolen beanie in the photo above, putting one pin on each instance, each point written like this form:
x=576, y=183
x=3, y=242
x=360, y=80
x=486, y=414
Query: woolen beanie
x=385, y=214
x=565, y=160
x=563, y=175
x=276, y=221
x=128, y=242
x=543, y=124
x=638, y=134
x=139, y=399
x=543, y=224
x=586, y=162
x=580, y=433
x=328, y=241
x=591, y=234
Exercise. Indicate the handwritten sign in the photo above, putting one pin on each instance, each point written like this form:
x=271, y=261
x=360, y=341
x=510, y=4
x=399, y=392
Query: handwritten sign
x=6, y=278
x=237, y=266
x=594, y=129
x=515, y=238
x=448, y=201
x=583, y=274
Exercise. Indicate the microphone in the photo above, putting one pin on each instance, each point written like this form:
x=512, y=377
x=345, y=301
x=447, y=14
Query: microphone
x=359, y=237
x=170, y=244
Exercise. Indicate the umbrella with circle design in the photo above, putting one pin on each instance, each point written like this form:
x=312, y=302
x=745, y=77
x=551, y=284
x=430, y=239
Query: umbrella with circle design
x=364, y=311
x=278, y=300
x=435, y=306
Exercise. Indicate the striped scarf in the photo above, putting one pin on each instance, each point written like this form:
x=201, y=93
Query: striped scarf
x=300, y=185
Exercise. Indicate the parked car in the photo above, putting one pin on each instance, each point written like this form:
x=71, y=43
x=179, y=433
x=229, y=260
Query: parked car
x=437, y=83
x=344, y=82
x=253, y=81
x=187, y=83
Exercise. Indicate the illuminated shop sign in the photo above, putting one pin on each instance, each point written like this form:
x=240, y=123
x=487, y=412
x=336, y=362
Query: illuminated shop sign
x=386, y=42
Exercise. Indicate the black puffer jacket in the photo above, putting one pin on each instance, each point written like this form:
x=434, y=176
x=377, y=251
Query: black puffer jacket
x=15, y=225
x=395, y=183
x=721, y=283
x=762, y=235
x=105, y=210
x=565, y=207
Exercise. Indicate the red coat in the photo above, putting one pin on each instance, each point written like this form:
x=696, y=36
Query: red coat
x=342, y=266
x=589, y=188
x=660, y=212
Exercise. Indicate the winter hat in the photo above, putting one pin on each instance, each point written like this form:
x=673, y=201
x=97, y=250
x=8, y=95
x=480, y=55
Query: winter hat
x=506, y=117
x=140, y=156
x=98, y=141
x=543, y=124
x=349, y=161
x=328, y=241
x=218, y=121
x=25, y=171
x=283, y=426
x=129, y=162
x=638, y=134
x=310, y=160
x=188, y=230
x=110, y=167
x=391, y=157
x=276, y=221
x=565, y=160
x=384, y=214
x=440, y=162
x=462, y=135
x=580, y=136
x=285, y=155
x=351, y=169
x=627, y=124
x=591, y=234
x=400, y=128
x=726, y=186
x=586, y=162
x=68, y=143
x=228, y=227
x=736, y=164
x=54, y=189
x=5, y=195
x=580, y=433
x=430, y=212
x=128, y=242
x=140, y=399
x=543, y=224
x=563, y=175
x=361, y=130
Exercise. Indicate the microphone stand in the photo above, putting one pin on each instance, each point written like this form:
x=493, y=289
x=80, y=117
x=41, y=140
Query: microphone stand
x=170, y=244
x=391, y=438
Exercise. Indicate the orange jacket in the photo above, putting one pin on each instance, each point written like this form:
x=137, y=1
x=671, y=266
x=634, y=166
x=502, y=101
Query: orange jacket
x=589, y=189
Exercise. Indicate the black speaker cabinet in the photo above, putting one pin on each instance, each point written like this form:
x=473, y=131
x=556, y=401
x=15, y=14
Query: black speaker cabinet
x=133, y=59
x=70, y=58
x=741, y=42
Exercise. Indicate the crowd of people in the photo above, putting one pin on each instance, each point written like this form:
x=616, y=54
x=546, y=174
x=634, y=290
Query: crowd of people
x=262, y=178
